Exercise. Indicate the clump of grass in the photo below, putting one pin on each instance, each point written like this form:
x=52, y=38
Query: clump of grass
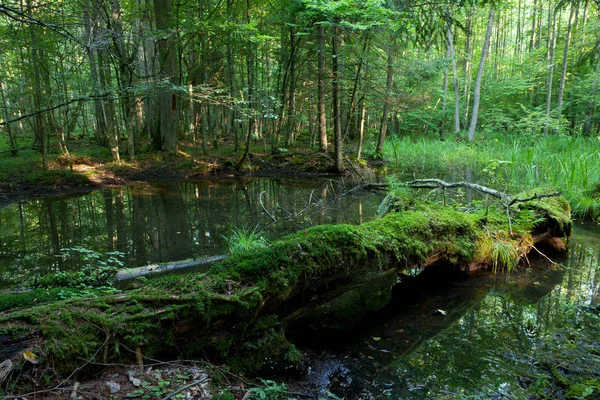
x=504, y=255
x=242, y=239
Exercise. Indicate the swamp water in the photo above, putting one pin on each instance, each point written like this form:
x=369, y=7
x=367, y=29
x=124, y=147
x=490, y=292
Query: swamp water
x=442, y=336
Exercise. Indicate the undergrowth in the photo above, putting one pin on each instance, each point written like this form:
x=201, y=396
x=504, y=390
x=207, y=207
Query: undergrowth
x=510, y=162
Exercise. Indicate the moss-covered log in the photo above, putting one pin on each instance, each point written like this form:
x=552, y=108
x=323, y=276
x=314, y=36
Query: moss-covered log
x=240, y=309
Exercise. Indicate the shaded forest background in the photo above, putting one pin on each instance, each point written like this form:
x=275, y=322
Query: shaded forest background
x=138, y=76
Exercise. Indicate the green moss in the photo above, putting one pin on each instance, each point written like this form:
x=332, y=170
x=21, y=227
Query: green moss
x=229, y=310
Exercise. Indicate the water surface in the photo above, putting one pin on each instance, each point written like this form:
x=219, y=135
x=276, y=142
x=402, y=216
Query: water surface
x=161, y=222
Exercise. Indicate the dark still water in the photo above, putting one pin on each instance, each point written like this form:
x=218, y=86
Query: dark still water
x=151, y=223
x=481, y=337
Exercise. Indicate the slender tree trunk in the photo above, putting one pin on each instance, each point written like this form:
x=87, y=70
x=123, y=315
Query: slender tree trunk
x=467, y=66
x=11, y=138
x=125, y=69
x=352, y=105
x=563, y=75
x=39, y=129
x=452, y=56
x=337, y=129
x=533, y=26
x=90, y=25
x=550, y=58
x=291, y=117
x=108, y=106
x=477, y=88
x=251, y=99
x=322, y=115
x=388, y=94
x=168, y=135
x=592, y=106
x=361, y=126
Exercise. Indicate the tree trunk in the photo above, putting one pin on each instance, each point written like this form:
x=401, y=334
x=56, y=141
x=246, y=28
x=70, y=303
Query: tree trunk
x=168, y=135
x=352, y=105
x=550, y=58
x=125, y=64
x=38, y=122
x=291, y=115
x=337, y=129
x=532, y=40
x=563, y=75
x=361, y=126
x=251, y=99
x=241, y=308
x=452, y=56
x=322, y=115
x=108, y=106
x=477, y=88
x=7, y=117
x=388, y=95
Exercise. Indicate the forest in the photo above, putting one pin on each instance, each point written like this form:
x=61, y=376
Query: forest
x=143, y=76
x=342, y=157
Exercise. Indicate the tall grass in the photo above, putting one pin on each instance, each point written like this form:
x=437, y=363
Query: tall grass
x=570, y=164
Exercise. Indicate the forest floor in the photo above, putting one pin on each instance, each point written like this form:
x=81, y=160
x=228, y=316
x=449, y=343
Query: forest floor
x=22, y=178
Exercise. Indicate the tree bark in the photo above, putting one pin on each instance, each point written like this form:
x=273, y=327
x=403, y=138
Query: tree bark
x=39, y=129
x=452, y=55
x=125, y=68
x=168, y=135
x=11, y=139
x=477, y=88
x=550, y=58
x=322, y=115
x=563, y=75
x=337, y=129
x=388, y=94
x=251, y=99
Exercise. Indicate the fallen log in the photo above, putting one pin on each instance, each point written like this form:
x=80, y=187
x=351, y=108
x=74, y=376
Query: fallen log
x=239, y=311
x=157, y=269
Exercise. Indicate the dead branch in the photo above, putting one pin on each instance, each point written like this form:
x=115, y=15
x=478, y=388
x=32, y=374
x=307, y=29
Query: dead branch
x=264, y=208
x=505, y=198
x=438, y=183
x=534, y=197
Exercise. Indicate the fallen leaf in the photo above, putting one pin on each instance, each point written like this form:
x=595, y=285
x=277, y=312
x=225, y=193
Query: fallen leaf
x=377, y=339
x=29, y=356
x=441, y=311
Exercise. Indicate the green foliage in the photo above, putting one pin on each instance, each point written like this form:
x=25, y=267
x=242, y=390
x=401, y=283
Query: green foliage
x=271, y=391
x=96, y=270
x=242, y=239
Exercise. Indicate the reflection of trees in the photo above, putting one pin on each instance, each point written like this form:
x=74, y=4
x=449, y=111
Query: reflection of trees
x=462, y=339
x=161, y=222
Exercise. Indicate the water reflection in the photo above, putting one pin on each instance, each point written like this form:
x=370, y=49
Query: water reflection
x=169, y=221
x=473, y=337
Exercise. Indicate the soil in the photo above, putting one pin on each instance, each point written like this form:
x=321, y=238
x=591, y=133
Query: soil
x=157, y=380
